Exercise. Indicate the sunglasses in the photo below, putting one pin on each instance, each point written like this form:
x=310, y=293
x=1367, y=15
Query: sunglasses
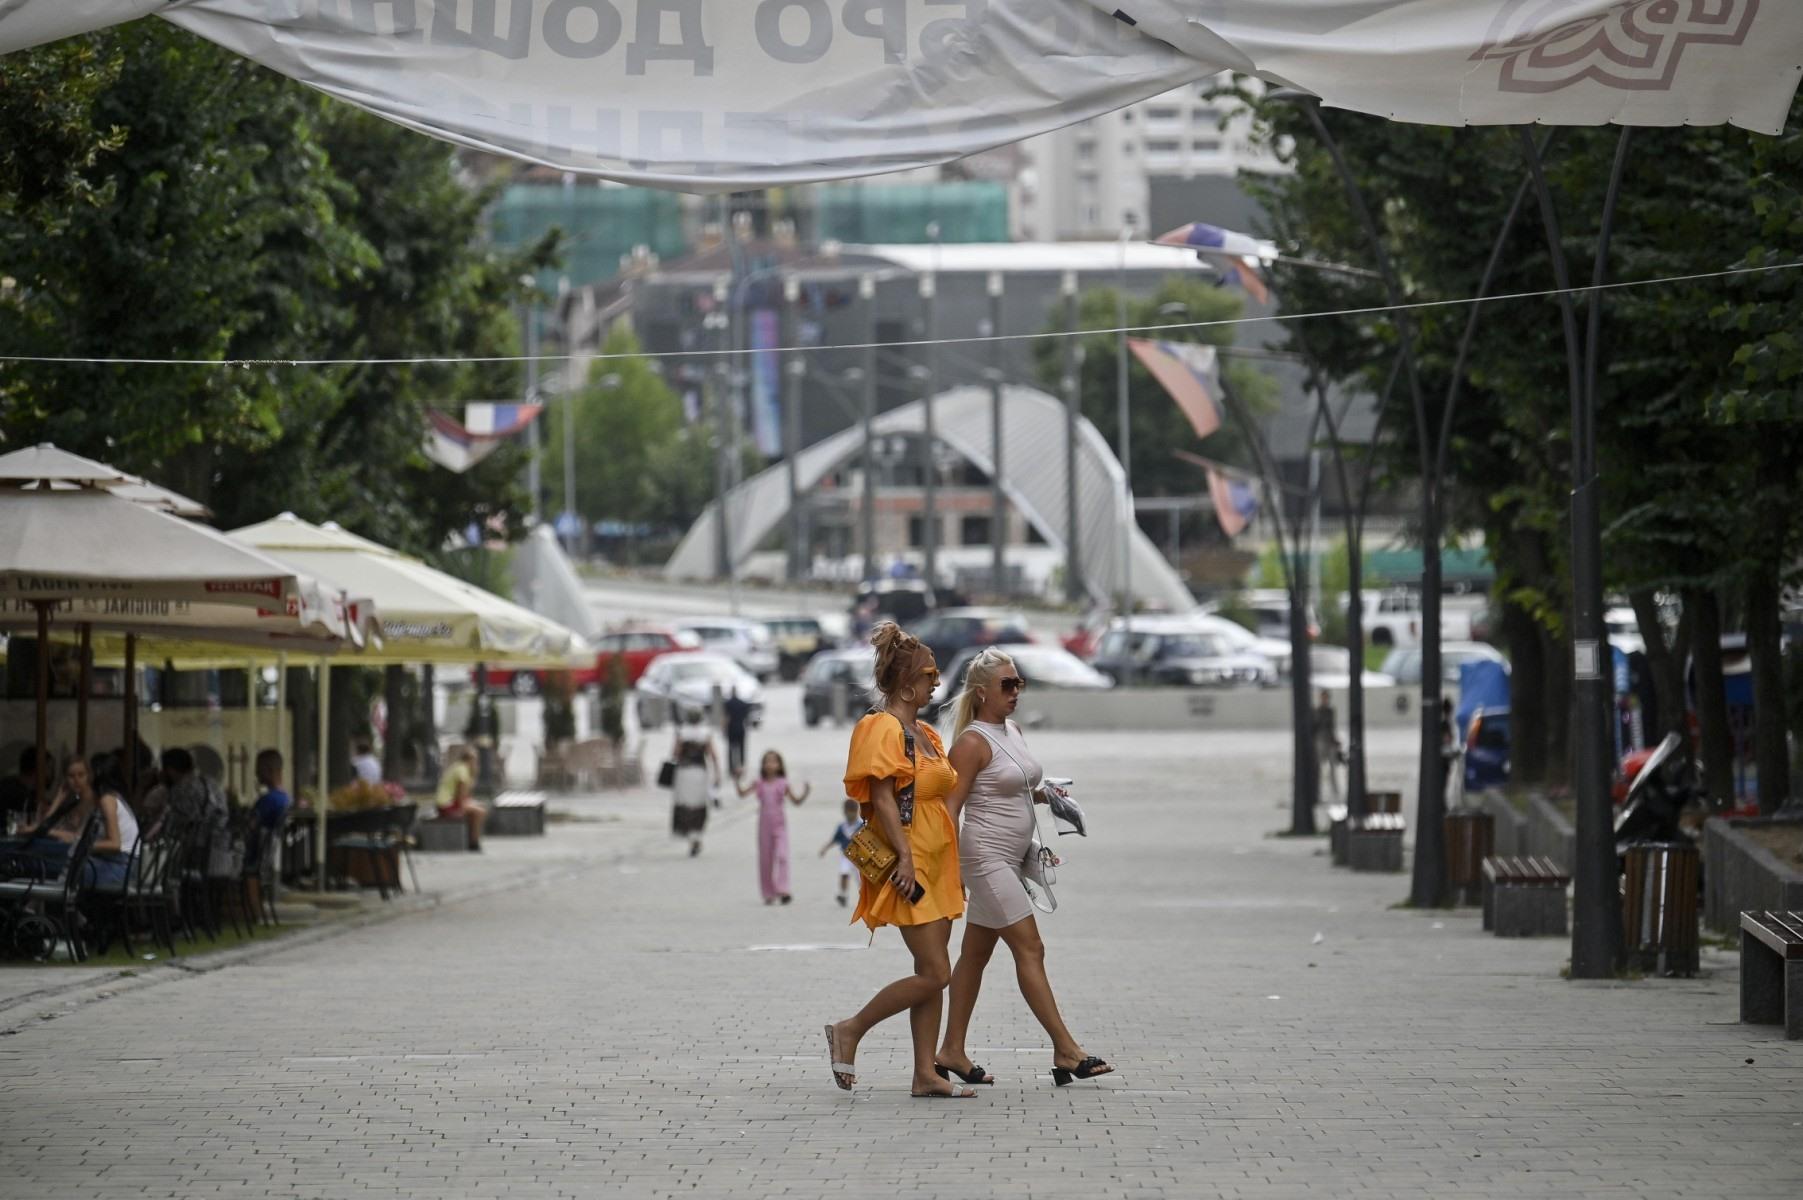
x=1011, y=684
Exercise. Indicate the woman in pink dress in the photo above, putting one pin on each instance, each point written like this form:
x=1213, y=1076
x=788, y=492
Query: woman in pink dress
x=772, y=790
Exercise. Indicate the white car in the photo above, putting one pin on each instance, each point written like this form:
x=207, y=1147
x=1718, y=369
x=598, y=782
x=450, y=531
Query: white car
x=747, y=643
x=691, y=679
x=1404, y=663
x=1392, y=617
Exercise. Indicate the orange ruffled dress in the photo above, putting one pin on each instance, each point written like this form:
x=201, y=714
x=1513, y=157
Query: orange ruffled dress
x=879, y=751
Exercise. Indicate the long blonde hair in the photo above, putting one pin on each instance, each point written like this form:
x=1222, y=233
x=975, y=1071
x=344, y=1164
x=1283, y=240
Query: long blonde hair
x=981, y=673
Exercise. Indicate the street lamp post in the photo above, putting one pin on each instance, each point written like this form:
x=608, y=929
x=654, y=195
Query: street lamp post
x=1124, y=420
x=998, y=500
x=793, y=371
x=1074, y=589
x=867, y=513
x=929, y=495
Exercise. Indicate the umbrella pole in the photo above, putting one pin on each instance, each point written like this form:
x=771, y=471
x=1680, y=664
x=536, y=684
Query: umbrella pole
x=249, y=779
x=325, y=732
x=283, y=734
x=43, y=664
x=81, y=700
x=131, y=716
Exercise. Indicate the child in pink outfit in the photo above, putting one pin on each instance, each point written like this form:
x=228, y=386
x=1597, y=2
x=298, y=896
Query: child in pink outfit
x=772, y=789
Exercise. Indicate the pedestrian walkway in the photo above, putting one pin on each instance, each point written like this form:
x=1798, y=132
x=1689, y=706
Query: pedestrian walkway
x=636, y=1023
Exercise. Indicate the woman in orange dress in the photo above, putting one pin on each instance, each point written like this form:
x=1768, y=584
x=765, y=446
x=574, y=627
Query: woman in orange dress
x=903, y=798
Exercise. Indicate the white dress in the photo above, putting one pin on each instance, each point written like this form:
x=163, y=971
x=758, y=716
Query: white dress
x=997, y=828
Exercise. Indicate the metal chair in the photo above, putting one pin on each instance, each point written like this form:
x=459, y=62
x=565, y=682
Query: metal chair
x=44, y=906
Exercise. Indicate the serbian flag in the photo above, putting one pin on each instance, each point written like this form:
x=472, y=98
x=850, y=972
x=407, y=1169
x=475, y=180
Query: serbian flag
x=1235, y=501
x=460, y=445
x=1241, y=254
x=1186, y=370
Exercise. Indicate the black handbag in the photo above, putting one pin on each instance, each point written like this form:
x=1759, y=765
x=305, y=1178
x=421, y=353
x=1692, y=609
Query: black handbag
x=666, y=774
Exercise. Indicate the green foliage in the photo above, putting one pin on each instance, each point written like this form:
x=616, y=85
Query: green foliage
x=1158, y=426
x=636, y=458
x=163, y=198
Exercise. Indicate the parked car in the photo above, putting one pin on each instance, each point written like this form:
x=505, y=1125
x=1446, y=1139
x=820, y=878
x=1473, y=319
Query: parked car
x=747, y=643
x=1271, y=655
x=1404, y=663
x=1487, y=749
x=1040, y=665
x=639, y=646
x=855, y=668
x=952, y=629
x=797, y=639
x=903, y=601
x=691, y=678
x=1189, y=650
x=1270, y=608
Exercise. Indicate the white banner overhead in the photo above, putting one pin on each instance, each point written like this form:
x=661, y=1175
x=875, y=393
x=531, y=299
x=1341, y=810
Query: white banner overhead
x=725, y=94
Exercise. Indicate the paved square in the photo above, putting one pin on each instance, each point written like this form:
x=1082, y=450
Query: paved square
x=625, y=1020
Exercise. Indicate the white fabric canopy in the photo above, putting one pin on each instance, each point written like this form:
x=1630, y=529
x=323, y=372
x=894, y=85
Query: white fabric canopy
x=425, y=615
x=727, y=94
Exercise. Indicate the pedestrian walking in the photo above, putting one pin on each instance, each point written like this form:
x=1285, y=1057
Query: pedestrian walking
x=898, y=773
x=738, y=715
x=772, y=790
x=842, y=835
x=1327, y=743
x=697, y=774
x=999, y=781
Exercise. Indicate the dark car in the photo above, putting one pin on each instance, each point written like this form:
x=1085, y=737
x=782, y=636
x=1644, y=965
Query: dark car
x=1487, y=749
x=950, y=630
x=903, y=601
x=1180, y=657
x=834, y=673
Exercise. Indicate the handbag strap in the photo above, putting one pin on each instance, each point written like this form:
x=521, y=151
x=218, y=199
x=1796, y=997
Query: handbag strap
x=1002, y=745
x=904, y=795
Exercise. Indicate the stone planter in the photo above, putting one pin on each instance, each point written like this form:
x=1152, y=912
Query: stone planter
x=1740, y=875
x=1549, y=834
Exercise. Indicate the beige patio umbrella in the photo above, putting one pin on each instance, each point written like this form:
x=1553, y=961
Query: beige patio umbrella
x=69, y=547
x=425, y=616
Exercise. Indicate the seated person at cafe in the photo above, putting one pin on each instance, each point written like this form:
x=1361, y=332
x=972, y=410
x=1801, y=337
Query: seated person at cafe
x=364, y=762
x=80, y=798
x=455, y=791
x=271, y=808
x=19, y=793
x=189, y=793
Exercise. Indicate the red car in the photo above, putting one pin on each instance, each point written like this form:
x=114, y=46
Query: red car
x=638, y=644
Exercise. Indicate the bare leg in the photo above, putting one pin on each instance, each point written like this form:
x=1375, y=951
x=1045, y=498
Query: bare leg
x=919, y=993
x=1029, y=967
x=474, y=815
x=967, y=980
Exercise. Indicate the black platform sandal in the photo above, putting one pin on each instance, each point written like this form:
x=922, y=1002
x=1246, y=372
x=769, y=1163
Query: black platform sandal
x=976, y=1074
x=1089, y=1068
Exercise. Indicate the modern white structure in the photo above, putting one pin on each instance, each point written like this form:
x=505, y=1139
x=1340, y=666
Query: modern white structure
x=1033, y=480
x=1084, y=180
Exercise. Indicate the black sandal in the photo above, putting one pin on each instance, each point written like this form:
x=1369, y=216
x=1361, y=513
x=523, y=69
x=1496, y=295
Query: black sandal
x=1089, y=1068
x=976, y=1074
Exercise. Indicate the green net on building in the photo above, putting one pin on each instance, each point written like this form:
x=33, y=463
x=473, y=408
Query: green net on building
x=601, y=224
x=874, y=213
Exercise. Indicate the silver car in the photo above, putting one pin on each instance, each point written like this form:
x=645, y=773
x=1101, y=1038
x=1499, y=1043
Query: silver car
x=691, y=679
x=747, y=643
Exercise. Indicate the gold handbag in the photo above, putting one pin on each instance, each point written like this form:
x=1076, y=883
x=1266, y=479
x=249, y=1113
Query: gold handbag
x=871, y=855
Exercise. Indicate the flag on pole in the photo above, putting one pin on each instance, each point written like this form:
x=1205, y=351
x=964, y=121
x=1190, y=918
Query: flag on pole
x=1240, y=253
x=458, y=446
x=1187, y=372
x=1235, y=501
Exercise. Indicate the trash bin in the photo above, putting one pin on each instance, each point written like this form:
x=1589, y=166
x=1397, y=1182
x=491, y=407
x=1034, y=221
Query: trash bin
x=1659, y=908
x=1470, y=839
x=1336, y=834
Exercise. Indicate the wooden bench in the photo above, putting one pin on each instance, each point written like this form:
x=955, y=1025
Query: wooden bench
x=1771, y=970
x=1374, y=842
x=1524, y=897
x=516, y=814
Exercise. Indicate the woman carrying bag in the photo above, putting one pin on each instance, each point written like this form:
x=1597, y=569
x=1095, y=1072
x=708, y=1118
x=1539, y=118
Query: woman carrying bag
x=898, y=773
x=694, y=771
x=999, y=781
